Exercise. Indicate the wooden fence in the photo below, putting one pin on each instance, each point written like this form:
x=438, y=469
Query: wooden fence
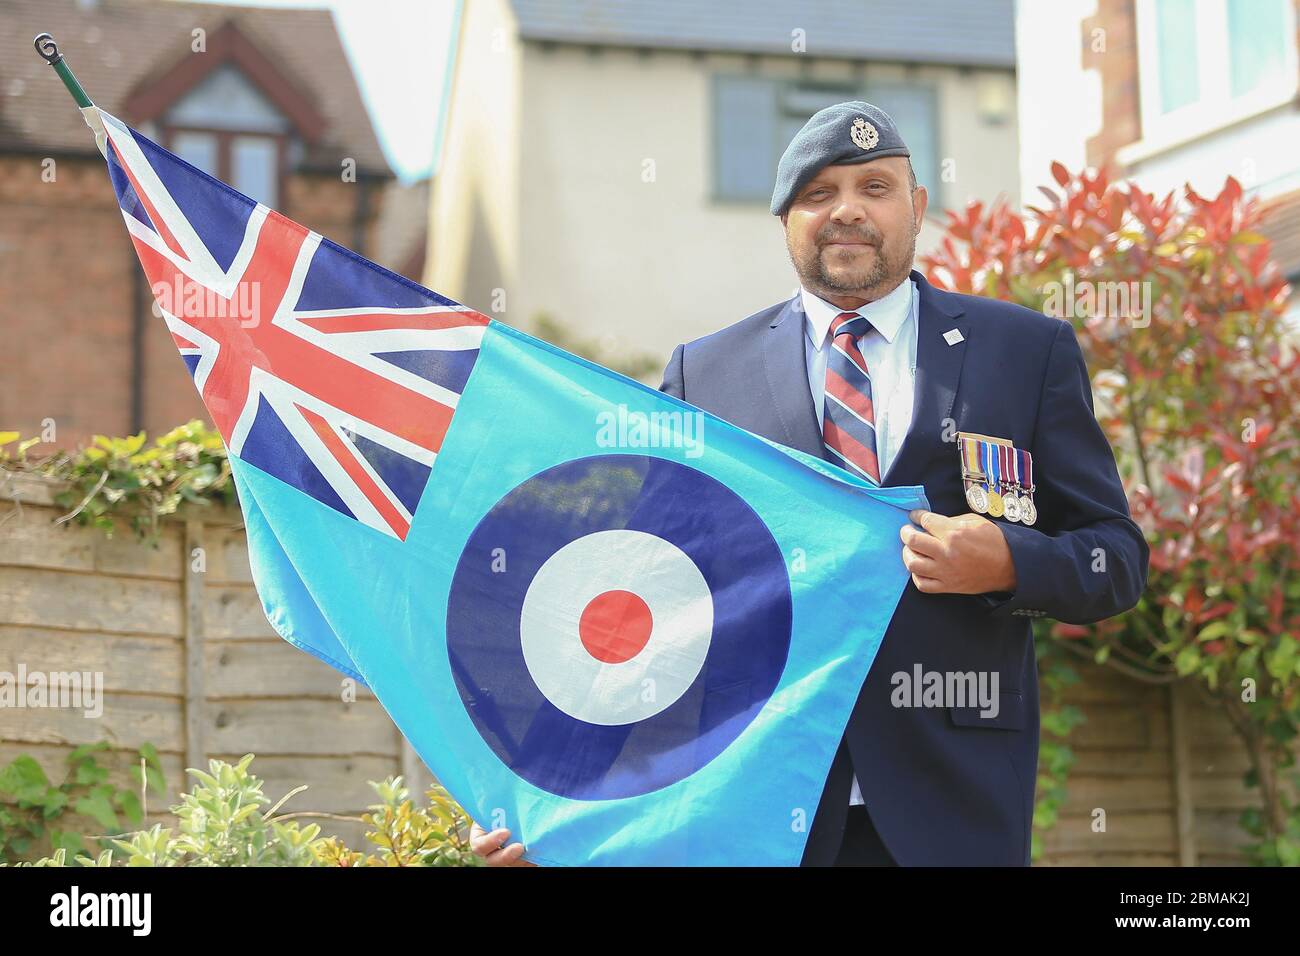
x=191, y=666
x=190, y=663
x=1166, y=768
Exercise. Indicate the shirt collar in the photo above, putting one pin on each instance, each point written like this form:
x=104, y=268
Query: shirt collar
x=886, y=314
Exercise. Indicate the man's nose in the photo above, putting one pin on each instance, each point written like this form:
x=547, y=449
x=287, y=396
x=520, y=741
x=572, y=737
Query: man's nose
x=849, y=211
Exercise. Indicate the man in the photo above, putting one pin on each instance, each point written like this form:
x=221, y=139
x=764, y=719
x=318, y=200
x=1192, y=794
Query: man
x=986, y=404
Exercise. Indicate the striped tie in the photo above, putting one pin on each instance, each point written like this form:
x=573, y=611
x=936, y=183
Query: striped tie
x=849, y=421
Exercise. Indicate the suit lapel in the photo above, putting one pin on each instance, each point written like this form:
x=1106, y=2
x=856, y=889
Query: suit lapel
x=785, y=371
x=938, y=371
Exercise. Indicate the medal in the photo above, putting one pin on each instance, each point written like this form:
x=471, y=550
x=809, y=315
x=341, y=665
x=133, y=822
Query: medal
x=972, y=474
x=1028, y=511
x=1011, y=500
x=996, y=507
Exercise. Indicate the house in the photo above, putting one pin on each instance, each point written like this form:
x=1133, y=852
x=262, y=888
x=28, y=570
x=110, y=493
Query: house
x=610, y=164
x=262, y=98
x=1168, y=92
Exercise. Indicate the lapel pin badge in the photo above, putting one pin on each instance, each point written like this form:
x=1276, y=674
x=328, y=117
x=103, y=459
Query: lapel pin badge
x=953, y=336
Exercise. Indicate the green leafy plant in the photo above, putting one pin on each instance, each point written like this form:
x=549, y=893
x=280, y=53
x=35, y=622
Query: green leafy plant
x=1057, y=721
x=221, y=822
x=60, y=858
x=125, y=477
x=36, y=814
x=226, y=820
x=407, y=835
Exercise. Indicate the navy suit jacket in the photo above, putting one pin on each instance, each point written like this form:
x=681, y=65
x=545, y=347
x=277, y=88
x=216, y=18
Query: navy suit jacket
x=945, y=786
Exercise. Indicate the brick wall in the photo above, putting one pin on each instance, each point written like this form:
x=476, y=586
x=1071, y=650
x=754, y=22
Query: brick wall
x=1118, y=68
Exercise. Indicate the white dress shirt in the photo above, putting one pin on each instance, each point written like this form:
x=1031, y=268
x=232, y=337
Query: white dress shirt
x=889, y=347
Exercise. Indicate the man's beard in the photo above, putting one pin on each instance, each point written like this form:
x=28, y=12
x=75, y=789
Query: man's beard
x=887, y=268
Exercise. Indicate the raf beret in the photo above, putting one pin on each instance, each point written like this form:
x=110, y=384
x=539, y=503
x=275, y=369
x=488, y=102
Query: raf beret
x=853, y=132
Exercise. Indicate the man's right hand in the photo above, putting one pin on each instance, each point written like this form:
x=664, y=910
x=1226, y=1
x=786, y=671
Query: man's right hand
x=494, y=849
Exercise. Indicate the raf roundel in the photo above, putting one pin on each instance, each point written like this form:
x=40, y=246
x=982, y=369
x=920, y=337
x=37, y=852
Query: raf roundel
x=615, y=623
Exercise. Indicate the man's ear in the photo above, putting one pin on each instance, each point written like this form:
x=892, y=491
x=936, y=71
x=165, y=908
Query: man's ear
x=920, y=201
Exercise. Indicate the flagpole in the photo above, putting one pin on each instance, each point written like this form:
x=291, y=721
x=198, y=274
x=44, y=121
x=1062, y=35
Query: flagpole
x=49, y=52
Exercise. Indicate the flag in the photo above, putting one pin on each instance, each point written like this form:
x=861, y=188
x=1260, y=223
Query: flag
x=627, y=630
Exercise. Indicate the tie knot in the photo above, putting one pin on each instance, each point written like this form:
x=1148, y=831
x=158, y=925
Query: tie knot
x=849, y=323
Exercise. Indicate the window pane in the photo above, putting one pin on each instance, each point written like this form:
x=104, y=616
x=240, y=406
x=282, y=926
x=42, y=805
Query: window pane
x=253, y=167
x=799, y=103
x=805, y=100
x=199, y=149
x=915, y=112
x=744, y=137
x=1176, y=53
x=1256, y=43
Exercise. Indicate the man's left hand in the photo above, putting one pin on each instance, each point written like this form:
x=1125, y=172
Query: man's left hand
x=967, y=554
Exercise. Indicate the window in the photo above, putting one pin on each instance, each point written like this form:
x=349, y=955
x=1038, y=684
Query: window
x=915, y=112
x=1176, y=54
x=1204, y=63
x=254, y=167
x=755, y=117
x=1258, y=37
x=249, y=162
x=198, y=149
x=225, y=127
x=744, y=137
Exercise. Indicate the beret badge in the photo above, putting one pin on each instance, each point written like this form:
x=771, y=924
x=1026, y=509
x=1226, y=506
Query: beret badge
x=864, y=134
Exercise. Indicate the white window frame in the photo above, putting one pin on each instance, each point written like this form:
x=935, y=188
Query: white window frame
x=1216, y=107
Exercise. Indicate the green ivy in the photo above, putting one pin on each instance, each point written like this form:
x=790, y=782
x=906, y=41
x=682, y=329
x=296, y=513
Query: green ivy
x=1057, y=721
x=36, y=814
x=122, y=477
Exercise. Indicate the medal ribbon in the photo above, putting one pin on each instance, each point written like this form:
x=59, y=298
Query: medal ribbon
x=992, y=469
x=970, y=457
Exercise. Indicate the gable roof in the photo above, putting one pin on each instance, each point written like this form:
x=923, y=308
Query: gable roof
x=228, y=47
x=119, y=48
x=955, y=32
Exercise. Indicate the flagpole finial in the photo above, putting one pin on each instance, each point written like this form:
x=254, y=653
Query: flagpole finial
x=47, y=48
x=49, y=51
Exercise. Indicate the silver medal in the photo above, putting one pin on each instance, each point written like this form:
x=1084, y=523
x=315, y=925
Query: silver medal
x=1028, y=512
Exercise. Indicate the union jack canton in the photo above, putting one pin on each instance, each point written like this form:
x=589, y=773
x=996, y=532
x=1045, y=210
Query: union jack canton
x=317, y=366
